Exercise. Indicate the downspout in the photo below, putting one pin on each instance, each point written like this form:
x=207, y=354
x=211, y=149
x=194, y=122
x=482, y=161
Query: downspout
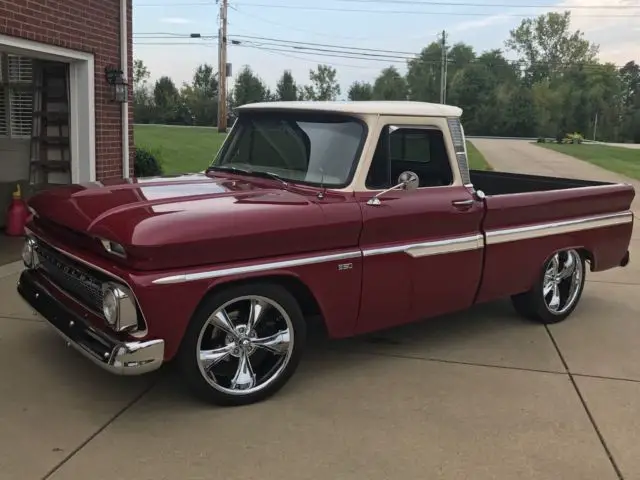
x=124, y=60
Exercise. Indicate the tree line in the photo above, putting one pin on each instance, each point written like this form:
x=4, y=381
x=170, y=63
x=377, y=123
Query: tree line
x=556, y=85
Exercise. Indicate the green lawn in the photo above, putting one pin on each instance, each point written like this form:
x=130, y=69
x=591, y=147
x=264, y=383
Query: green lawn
x=476, y=159
x=180, y=149
x=191, y=149
x=616, y=159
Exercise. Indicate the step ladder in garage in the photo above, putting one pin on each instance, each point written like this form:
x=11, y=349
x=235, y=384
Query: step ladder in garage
x=50, y=142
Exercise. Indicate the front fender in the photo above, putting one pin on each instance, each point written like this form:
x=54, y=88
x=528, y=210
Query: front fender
x=333, y=285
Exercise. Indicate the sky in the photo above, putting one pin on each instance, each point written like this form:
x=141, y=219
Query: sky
x=161, y=29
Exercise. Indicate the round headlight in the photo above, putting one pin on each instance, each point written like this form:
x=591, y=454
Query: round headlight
x=110, y=306
x=28, y=253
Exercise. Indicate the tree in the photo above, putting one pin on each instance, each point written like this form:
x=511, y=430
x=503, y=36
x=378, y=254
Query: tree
x=630, y=83
x=165, y=93
x=423, y=74
x=286, y=90
x=324, y=85
x=140, y=73
x=390, y=85
x=630, y=99
x=557, y=86
x=249, y=88
x=206, y=81
x=546, y=46
x=142, y=100
x=360, y=91
x=168, y=104
x=201, y=96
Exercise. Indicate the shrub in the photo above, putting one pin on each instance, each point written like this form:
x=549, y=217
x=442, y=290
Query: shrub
x=573, y=138
x=147, y=163
x=542, y=140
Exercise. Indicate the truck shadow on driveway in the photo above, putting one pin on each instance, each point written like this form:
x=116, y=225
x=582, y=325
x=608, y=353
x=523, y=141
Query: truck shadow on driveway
x=489, y=335
x=486, y=335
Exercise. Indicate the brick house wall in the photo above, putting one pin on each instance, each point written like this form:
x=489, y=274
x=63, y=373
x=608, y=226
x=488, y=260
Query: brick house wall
x=91, y=26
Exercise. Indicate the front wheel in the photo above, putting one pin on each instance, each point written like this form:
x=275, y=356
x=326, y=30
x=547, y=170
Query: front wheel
x=557, y=291
x=243, y=344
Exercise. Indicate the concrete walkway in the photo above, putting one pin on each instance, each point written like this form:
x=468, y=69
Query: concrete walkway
x=478, y=395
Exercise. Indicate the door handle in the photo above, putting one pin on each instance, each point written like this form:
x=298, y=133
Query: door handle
x=462, y=203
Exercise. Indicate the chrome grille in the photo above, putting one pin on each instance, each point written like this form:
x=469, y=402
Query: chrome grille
x=75, y=279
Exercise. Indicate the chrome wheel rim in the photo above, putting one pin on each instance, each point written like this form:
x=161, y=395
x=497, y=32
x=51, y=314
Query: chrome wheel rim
x=562, y=281
x=245, y=345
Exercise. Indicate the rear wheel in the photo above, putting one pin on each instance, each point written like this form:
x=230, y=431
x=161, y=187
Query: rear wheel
x=243, y=345
x=557, y=291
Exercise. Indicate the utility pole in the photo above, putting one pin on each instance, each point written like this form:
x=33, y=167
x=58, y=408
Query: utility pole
x=595, y=127
x=443, y=69
x=222, y=68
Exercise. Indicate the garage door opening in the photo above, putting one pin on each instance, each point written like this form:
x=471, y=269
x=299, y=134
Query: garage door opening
x=34, y=128
x=34, y=121
x=47, y=123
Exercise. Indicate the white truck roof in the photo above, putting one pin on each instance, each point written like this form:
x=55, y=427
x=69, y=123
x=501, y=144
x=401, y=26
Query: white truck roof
x=383, y=107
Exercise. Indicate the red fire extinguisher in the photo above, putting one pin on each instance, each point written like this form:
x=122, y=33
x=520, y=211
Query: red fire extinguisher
x=17, y=215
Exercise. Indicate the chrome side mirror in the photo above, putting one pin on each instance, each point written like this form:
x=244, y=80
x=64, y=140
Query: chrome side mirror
x=409, y=180
x=406, y=181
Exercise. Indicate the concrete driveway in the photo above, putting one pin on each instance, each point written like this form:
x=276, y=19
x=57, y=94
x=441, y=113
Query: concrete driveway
x=477, y=395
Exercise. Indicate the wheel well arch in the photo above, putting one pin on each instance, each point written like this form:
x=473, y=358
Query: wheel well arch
x=588, y=256
x=584, y=252
x=309, y=305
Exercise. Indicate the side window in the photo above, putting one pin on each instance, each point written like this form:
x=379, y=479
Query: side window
x=420, y=150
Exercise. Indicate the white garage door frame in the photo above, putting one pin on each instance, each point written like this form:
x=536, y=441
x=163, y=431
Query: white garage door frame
x=81, y=102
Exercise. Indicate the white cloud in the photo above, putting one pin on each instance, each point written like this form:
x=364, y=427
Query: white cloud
x=176, y=20
x=614, y=29
x=482, y=23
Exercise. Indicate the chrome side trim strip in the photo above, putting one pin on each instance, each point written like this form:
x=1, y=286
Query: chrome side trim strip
x=423, y=249
x=557, y=228
x=189, y=277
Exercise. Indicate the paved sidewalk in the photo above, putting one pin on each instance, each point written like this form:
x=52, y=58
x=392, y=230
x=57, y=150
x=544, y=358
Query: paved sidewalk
x=477, y=395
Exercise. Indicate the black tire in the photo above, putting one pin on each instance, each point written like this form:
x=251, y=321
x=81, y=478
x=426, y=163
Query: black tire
x=188, y=356
x=532, y=304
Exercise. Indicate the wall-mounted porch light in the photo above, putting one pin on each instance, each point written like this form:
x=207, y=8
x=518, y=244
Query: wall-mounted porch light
x=119, y=85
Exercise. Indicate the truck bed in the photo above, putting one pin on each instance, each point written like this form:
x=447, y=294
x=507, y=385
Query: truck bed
x=528, y=217
x=502, y=183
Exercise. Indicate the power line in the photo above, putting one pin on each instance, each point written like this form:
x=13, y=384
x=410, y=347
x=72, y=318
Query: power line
x=310, y=48
x=409, y=2
x=184, y=44
x=175, y=37
x=395, y=12
x=311, y=59
x=361, y=53
x=355, y=55
x=324, y=45
x=484, y=5
x=292, y=27
x=416, y=12
x=352, y=55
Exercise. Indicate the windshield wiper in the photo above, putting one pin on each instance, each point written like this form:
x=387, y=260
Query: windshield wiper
x=229, y=169
x=270, y=175
x=257, y=173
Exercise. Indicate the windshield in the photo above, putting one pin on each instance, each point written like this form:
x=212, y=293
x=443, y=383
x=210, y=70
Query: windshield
x=299, y=147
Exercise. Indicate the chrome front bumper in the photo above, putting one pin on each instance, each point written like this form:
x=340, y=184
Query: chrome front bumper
x=113, y=355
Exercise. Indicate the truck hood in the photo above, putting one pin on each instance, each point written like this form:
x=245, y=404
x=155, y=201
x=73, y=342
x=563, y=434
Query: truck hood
x=190, y=219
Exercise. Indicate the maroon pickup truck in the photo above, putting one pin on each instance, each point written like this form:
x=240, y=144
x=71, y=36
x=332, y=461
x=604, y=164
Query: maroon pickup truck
x=364, y=215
